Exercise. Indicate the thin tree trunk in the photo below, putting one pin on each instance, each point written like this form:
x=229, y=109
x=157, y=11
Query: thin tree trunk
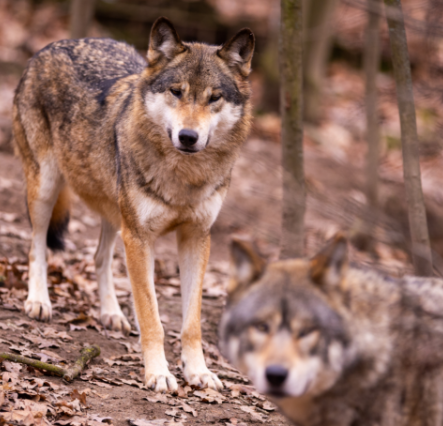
x=318, y=25
x=421, y=251
x=82, y=12
x=291, y=96
x=372, y=61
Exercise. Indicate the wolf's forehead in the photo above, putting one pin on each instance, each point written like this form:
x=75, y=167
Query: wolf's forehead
x=266, y=301
x=199, y=71
x=195, y=71
x=290, y=300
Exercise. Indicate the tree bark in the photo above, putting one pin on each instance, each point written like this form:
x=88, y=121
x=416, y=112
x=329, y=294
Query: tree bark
x=372, y=61
x=421, y=251
x=318, y=20
x=82, y=12
x=291, y=109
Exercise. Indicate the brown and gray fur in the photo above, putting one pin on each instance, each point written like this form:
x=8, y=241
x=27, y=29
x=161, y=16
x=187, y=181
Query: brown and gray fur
x=94, y=116
x=332, y=344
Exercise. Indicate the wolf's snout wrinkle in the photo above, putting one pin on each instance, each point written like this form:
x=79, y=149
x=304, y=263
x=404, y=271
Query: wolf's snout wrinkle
x=188, y=137
x=276, y=375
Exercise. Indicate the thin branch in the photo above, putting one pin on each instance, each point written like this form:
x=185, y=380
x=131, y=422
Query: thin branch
x=69, y=374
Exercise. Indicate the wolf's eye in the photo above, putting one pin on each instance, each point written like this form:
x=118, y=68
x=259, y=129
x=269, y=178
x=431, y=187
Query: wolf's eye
x=176, y=93
x=214, y=98
x=262, y=327
x=306, y=331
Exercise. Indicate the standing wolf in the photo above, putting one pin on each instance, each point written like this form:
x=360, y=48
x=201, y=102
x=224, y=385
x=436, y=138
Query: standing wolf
x=150, y=147
x=335, y=345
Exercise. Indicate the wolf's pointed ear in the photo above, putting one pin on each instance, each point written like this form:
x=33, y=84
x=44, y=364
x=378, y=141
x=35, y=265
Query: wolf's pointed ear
x=247, y=266
x=164, y=41
x=329, y=265
x=238, y=51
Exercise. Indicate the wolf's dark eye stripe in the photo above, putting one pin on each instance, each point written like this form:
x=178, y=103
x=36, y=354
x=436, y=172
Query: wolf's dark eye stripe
x=306, y=331
x=262, y=327
x=176, y=93
x=214, y=98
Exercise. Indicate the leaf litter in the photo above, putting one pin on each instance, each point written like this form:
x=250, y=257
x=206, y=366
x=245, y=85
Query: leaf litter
x=32, y=397
x=29, y=396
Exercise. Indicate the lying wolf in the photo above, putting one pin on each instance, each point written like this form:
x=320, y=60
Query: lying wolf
x=149, y=146
x=336, y=345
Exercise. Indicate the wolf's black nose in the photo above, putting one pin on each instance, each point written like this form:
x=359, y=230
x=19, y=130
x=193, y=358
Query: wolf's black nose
x=276, y=375
x=188, y=137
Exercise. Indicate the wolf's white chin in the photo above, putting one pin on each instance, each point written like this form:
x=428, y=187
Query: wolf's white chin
x=302, y=378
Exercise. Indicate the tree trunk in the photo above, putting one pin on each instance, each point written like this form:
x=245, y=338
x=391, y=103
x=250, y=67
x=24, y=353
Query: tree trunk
x=291, y=97
x=82, y=12
x=372, y=60
x=421, y=251
x=317, y=46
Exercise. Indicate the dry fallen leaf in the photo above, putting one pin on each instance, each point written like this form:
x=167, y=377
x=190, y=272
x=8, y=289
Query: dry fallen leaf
x=8, y=217
x=173, y=412
x=156, y=422
x=266, y=405
x=133, y=383
x=54, y=334
x=71, y=421
x=210, y=395
x=254, y=414
x=188, y=409
x=159, y=397
x=75, y=394
x=131, y=347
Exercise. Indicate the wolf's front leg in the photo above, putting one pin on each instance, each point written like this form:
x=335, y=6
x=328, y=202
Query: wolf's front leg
x=140, y=264
x=193, y=249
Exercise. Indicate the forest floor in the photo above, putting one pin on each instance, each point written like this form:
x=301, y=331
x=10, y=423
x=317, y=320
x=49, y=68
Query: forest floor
x=111, y=389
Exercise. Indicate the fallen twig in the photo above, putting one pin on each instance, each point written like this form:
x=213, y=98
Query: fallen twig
x=69, y=374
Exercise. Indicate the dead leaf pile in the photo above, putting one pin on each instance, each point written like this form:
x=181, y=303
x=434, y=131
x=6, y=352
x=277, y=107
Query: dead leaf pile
x=38, y=401
x=28, y=396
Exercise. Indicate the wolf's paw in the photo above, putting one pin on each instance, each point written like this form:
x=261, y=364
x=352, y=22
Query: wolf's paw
x=204, y=379
x=116, y=322
x=161, y=382
x=39, y=310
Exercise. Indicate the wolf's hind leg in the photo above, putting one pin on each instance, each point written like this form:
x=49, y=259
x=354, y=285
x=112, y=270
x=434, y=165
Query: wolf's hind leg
x=43, y=188
x=193, y=250
x=111, y=315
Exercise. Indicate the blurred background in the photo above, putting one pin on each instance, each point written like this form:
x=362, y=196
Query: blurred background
x=334, y=111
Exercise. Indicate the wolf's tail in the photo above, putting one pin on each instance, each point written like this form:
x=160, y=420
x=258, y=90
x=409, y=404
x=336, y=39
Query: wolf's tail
x=58, y=224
